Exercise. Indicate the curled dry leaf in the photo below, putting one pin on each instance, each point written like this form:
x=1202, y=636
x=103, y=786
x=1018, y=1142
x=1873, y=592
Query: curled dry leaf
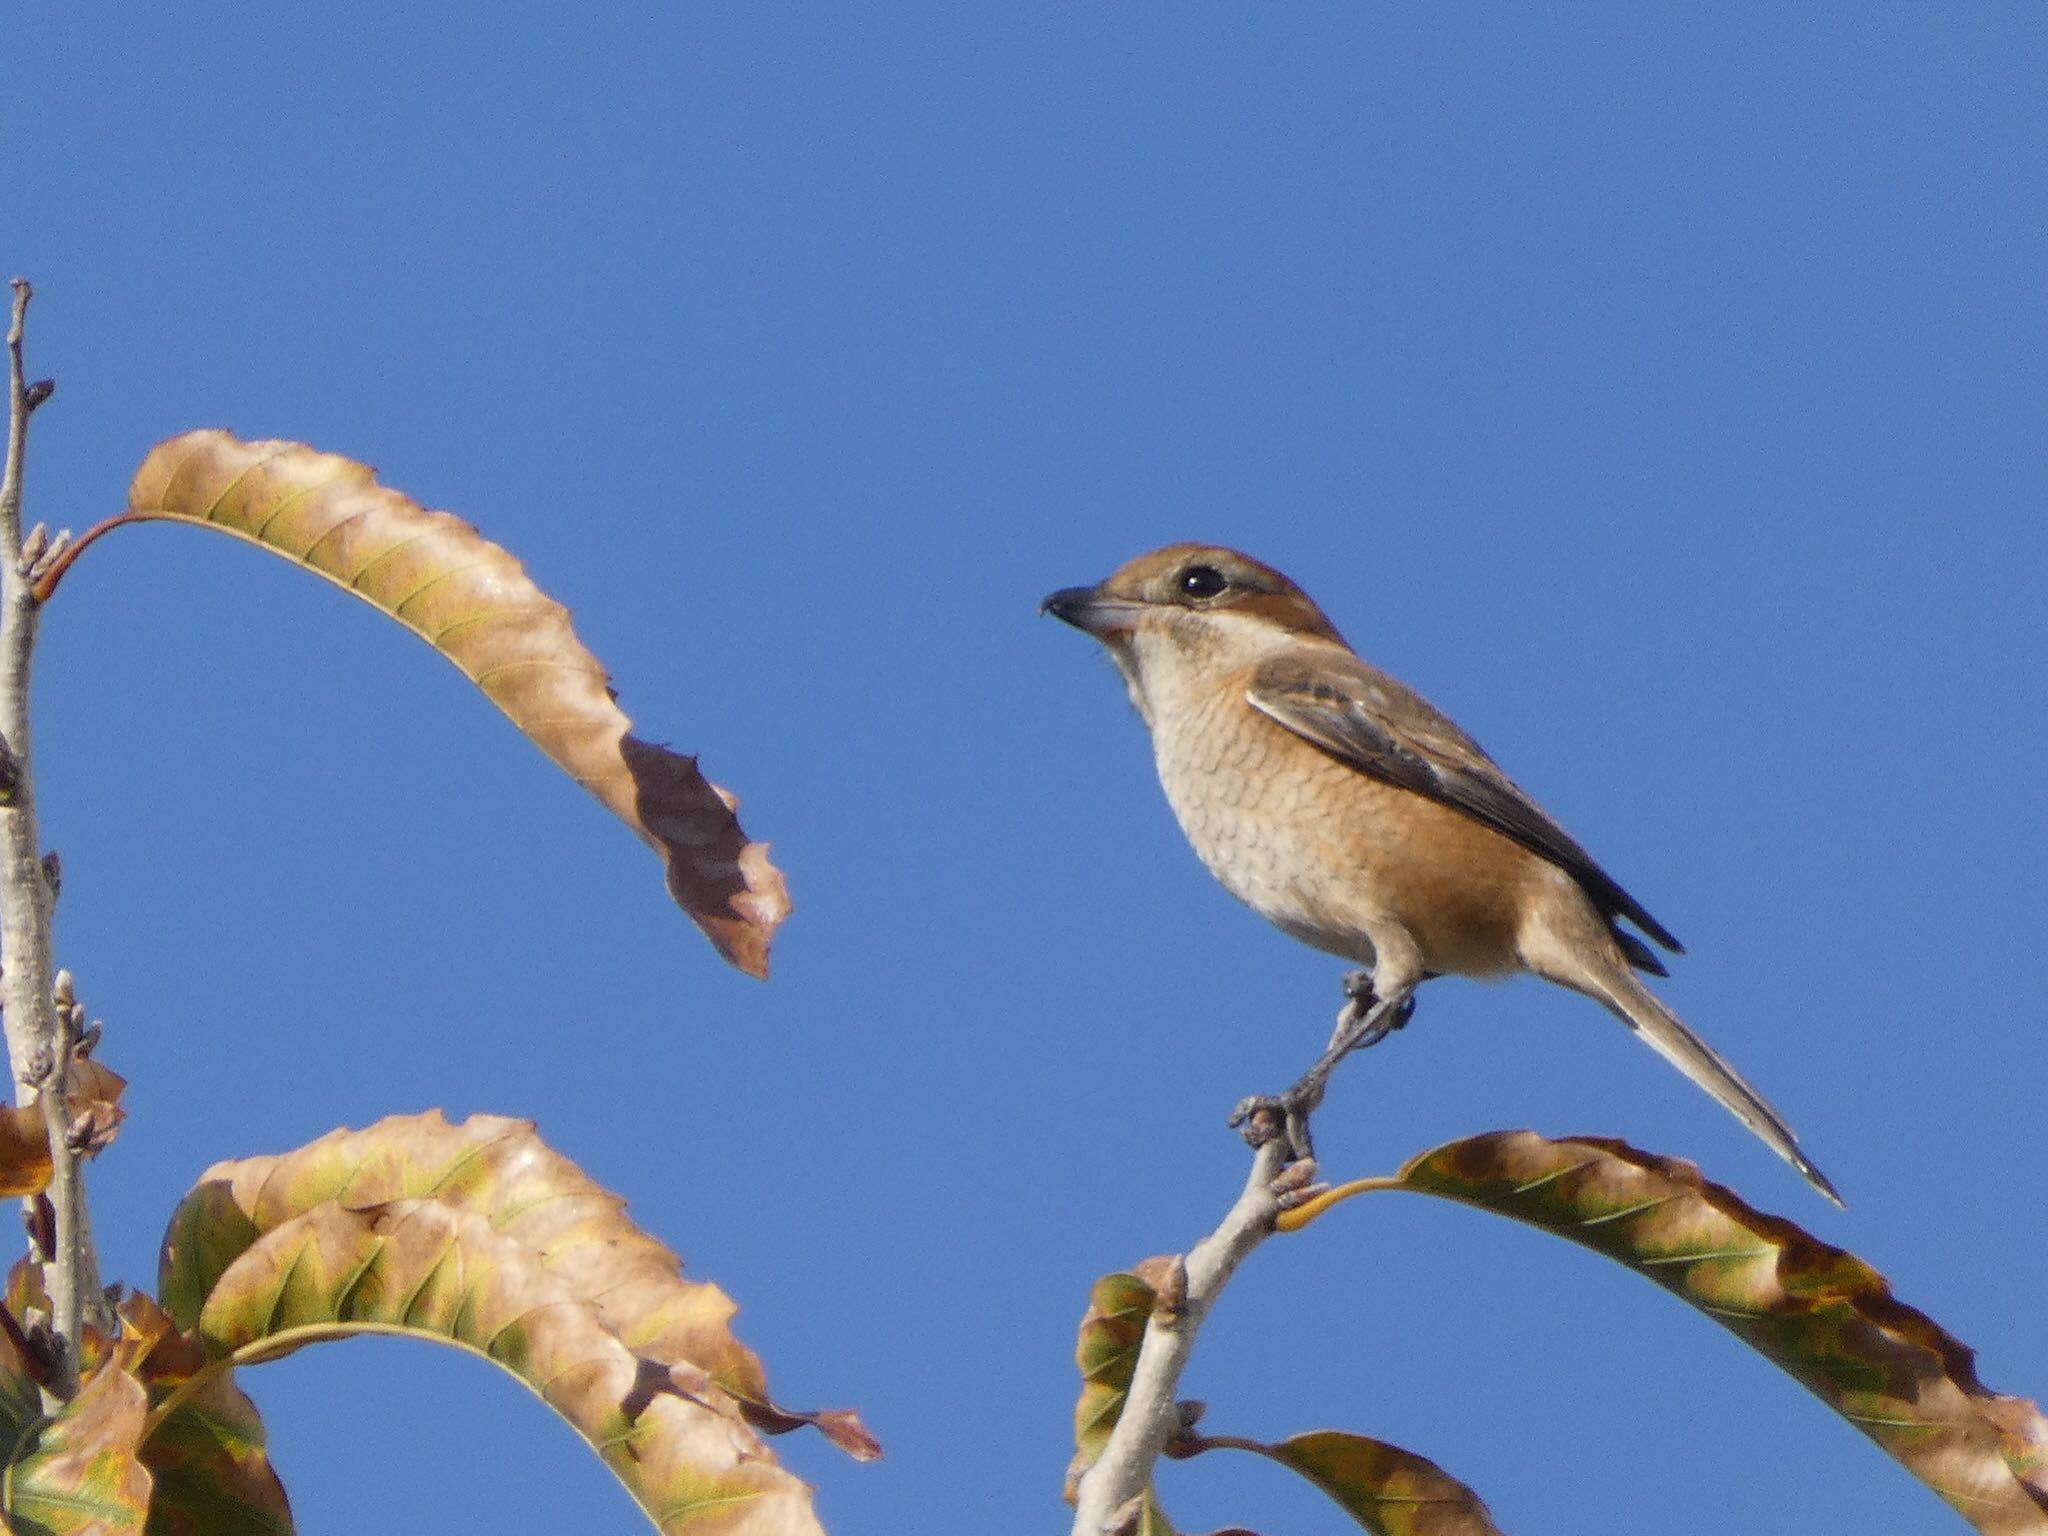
x=1106, y=1353
x=1821, y=1314
x=475, y=604
x=1389, y=1491
x=479, y=1234
x=94, y=1094
x=24, y=1150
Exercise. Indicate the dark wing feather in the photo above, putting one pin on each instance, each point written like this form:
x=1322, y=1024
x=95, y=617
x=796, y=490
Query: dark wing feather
x=1378, y=726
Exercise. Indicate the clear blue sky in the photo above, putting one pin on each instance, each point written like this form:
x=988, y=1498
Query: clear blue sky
x=1664, y=396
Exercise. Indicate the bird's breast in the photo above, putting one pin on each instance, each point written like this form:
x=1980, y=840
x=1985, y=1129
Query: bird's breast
x=1253, y=811
x=1330, y=854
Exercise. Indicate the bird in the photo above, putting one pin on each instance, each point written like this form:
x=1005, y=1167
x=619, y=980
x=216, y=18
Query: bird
x=1355, y=816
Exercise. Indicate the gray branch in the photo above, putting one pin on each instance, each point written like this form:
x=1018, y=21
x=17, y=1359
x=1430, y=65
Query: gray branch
x=37, y=1049
x=1149, y=1416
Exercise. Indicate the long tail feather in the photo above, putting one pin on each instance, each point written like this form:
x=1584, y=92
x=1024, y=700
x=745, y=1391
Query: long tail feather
x=1666, y=1034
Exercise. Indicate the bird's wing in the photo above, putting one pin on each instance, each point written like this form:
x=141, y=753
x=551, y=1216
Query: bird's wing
x=1381, y=727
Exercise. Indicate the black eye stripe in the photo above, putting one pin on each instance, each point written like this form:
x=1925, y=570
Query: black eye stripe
x=1200, y=581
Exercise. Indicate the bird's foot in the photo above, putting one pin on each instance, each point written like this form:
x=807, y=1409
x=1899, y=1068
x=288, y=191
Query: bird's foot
x=1365, y=1020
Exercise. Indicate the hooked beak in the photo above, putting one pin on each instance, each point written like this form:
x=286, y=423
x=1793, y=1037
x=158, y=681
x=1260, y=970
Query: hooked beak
x=1088, y=608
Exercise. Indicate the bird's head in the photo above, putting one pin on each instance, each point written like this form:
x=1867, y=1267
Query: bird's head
x=1191, y=611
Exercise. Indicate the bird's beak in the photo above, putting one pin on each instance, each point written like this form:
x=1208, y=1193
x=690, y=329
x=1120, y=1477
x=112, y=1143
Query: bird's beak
x=1090, y=609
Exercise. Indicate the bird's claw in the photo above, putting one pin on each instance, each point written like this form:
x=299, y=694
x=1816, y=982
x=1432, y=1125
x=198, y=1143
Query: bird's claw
x=1366, y=1019
x=1265, y=1117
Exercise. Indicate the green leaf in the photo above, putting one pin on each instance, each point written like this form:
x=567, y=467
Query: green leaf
x=1106, y=1353
x=1389, y=1491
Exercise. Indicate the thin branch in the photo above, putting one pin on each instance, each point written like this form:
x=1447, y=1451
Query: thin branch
x=37, y=1048
x=1149, y=1416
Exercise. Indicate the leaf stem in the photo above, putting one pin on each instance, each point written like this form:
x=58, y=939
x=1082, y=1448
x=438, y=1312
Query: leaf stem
x=1294, y=1218
x=179, y=1395
x=53, y=570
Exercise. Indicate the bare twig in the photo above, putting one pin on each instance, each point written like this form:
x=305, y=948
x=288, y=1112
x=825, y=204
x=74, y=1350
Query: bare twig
x=1150, y=1416
x=37, y=1049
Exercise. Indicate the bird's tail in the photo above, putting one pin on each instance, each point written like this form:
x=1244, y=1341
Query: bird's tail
x=1666, y=1034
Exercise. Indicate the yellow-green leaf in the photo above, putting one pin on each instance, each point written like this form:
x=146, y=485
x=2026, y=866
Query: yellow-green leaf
x=1105, y=1353
x=478, y=1235
x=475, y=604
x=428, y=1270
x=81, y=1471
x=207, y=1456
x=1820, y=1313
x=501, y=1168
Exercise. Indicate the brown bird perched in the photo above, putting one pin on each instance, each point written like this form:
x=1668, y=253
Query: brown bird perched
x=1344, y=808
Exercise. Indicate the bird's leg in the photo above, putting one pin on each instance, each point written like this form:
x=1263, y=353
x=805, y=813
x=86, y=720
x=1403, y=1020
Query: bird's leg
x=1365, y=1019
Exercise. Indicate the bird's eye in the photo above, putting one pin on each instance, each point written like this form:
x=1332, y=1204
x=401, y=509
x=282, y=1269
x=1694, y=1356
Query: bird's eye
x=1200, y=581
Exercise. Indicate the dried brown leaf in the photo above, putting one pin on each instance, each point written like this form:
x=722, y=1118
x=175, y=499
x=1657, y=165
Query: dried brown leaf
x=93, y=1092
x=1820, y=1313
x=474, y=603
x=24, y=1150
